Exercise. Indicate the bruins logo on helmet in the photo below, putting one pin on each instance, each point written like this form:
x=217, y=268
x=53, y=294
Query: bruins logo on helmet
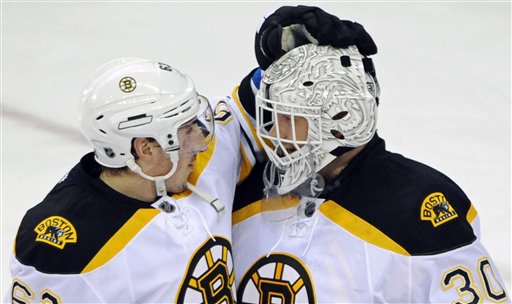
x=278, y=278
x=127, y=84
x=437, y=209
x=210, y=275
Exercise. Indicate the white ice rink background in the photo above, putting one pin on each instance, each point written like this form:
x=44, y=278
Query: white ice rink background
x=443, y=67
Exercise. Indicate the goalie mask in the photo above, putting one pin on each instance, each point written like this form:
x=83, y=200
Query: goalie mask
x=131, y=98
x=314, y=104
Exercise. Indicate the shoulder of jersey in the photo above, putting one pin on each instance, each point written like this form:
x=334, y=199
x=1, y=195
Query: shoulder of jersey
x=222, y=112
x=65, y=232
x=417, y=207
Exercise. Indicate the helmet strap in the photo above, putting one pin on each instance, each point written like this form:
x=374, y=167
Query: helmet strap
x=173, y=155
x=341, y=150
x=160, y=187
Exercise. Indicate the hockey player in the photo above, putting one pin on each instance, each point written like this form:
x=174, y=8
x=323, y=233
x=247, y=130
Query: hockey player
x=145, y=218
x=343, y=220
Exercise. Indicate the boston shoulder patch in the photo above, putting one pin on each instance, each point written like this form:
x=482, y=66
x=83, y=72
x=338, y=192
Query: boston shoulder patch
x=278, y=278
x=436, y=209
x=56, y=231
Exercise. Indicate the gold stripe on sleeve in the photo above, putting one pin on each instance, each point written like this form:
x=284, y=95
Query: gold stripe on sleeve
x=246, y=212
x=119, y=240
x=278, y=203
x=246, y=167
x=246, y=118
x=202, y=161
x=359, y=227
x=472, y=213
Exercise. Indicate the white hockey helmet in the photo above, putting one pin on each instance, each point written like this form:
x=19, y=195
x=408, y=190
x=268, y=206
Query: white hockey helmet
x=330, y=89
x=128, y=98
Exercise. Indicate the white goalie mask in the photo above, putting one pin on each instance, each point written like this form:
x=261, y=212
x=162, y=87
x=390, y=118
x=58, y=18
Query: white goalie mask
x=314, y=103
x=131, y=98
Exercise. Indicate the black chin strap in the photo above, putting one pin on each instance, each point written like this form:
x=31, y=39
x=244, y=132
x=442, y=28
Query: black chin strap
x=341, y=150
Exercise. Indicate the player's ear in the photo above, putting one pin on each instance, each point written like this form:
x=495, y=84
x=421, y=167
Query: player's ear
x=142, y=148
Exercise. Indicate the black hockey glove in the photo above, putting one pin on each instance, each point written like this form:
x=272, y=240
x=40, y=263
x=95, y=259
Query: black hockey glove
x=292, y=26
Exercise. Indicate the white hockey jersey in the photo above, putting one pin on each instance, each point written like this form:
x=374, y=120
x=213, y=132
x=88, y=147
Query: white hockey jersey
x=387, y=230
x=86, y=243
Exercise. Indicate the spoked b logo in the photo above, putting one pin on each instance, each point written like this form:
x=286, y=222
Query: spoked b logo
x=210, y=275
x=278, y=278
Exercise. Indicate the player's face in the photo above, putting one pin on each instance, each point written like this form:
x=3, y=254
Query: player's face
x=290, y=129
x=192, y=141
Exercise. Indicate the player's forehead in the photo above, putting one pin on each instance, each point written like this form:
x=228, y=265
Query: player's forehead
x=296, y=118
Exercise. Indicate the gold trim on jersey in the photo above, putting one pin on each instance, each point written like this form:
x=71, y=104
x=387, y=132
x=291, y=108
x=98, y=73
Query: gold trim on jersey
x=278, y=203
x=246, y=167
x=246, y=212
x=202, y=161
x=246, y=118
x=359, y=227
x=119, y=240
x=472, y=214
x=21, y=292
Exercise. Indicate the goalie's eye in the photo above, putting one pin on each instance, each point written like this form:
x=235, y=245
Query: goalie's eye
x=308, y=83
